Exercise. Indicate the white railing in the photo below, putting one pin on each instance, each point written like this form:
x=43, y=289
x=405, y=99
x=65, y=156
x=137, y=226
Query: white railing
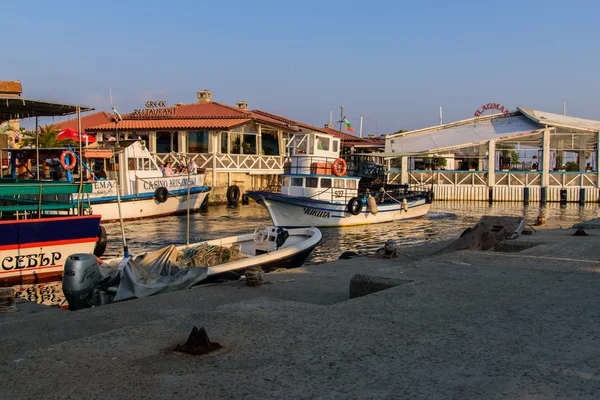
x=502, y=178
x=227, y=162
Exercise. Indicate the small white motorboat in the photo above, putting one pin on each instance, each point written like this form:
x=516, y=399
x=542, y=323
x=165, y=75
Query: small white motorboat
x=87, y=283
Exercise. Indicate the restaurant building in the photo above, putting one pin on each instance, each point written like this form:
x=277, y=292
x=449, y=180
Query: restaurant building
x=522, y=155
x=236, y=146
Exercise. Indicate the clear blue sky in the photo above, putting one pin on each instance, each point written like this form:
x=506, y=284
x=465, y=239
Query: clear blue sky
x=393, y=62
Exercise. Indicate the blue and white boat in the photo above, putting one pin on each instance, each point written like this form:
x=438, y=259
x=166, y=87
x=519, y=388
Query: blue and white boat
x=317, y=191
x=127, y=165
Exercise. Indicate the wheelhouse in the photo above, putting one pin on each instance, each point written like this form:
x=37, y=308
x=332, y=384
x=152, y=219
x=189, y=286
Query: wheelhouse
x=312, y=171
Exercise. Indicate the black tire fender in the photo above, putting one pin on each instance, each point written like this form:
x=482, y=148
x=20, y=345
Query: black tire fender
x=161, y=194
x=355, y=206
x=429, y=197
x=233, y=194
x=101, y=243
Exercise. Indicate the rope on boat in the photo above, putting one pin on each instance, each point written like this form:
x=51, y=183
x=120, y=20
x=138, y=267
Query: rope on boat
x=207, y=255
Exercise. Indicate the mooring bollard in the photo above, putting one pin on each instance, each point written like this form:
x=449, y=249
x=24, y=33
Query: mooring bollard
x=7, y=301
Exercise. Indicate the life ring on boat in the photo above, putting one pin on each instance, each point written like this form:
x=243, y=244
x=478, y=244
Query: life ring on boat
x=73, y=160
x=355, y=206
x=101, y=243
x=339, y=167
x=429, y=197
x=233, y=194
x=161, y=194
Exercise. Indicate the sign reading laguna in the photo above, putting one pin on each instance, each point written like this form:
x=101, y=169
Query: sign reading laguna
x=491, y=106
x=173, y=183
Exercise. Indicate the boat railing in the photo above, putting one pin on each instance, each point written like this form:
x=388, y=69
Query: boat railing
x=26, y=199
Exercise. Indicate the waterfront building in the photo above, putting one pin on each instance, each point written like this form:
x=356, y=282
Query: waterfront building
x=525, y=155
x=235, y=145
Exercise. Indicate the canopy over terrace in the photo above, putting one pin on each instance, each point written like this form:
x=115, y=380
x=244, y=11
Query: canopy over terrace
x=546, y=136
x=15, y=107
x=19, y=108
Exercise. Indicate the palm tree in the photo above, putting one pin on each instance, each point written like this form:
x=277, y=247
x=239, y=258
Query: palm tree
x=47, y=138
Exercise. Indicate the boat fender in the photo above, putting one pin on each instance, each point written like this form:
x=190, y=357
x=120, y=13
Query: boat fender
x=101, y=243
x=245, y=199
x=73, y=159
x=339, y=167
x=355, y=206
x=372, y=205
x=204, y=205
x=429, y=197
x=282, y=236
x=233, y=194
x=161, y=194
x=405, y=205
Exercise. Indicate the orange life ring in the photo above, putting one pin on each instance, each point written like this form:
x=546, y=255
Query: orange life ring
x=339, y=167
x=73, y=160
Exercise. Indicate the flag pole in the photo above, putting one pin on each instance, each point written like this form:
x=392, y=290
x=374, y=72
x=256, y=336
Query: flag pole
x=341, y=136
x=360, y=130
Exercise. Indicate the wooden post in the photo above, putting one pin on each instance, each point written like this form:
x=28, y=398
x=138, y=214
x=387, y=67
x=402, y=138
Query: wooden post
x=404, y=170
x=492, y=163
x=546, y=158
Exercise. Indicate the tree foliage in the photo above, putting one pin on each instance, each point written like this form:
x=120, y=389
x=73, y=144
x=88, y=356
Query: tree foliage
x=47, y=138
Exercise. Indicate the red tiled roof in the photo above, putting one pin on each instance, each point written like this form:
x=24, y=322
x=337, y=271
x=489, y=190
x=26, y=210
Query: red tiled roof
x=283, y=121
x=87, y=121
x=210, y=110
x=11, y=87
x=157, y=124
x=346, y=137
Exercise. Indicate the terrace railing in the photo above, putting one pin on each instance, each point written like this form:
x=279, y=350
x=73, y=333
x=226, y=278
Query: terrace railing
x=502, y=178
x=227, y=162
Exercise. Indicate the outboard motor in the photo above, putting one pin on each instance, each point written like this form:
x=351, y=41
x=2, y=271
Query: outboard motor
x=80, y=277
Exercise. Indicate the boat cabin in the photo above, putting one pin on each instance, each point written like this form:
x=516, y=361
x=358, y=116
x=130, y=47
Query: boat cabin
x=316, y=171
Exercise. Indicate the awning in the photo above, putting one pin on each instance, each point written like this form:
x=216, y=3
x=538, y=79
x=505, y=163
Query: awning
x=19, y=108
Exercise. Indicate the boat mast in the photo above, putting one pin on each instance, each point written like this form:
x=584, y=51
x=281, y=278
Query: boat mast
x=341, y=136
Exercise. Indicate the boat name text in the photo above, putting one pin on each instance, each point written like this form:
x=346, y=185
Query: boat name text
x=168, y=183
x=317, y=213
x=30, y=261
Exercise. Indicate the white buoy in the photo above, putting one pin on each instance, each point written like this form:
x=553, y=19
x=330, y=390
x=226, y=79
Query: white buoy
x=372, y=204
x=405, y=205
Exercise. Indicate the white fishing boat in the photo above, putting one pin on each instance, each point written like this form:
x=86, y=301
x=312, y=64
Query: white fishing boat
x=87, y=283
x=317, y=191
x=124, y=169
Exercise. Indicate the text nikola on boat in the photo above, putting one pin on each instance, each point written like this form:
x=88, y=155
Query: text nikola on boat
x=30, y=261
x=317, y=213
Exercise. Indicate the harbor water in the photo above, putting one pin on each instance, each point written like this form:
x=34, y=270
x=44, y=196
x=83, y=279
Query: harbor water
x=445, y=220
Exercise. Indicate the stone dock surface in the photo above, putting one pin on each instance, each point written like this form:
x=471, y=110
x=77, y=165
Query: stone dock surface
x=521, y=323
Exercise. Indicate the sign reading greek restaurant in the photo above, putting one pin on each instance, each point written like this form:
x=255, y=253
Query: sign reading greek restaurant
x=154, y=108
x=491, y=106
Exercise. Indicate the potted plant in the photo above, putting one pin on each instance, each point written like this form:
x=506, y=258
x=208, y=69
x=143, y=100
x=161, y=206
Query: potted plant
x=439, y=163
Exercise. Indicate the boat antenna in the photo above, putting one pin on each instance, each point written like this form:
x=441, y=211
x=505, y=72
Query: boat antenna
x=117, y=180
x=342, y=118
x=187, y=232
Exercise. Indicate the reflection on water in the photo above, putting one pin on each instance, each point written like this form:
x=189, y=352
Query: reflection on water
x=444, y=221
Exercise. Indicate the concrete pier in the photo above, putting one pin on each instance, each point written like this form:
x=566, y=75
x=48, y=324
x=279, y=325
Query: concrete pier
x=520, y=323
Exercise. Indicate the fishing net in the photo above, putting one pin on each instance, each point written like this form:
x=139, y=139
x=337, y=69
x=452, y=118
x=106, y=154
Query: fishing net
x=206, y=255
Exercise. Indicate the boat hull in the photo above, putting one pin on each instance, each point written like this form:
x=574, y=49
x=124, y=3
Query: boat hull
x=290, y=211
x=34, y=250
x=147, y=207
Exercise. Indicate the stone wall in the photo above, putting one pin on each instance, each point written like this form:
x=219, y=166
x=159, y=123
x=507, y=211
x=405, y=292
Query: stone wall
x=246, y=182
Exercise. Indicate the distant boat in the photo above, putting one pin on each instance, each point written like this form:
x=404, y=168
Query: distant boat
x=317, y=191
x=34, y=242
x=144, y=191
